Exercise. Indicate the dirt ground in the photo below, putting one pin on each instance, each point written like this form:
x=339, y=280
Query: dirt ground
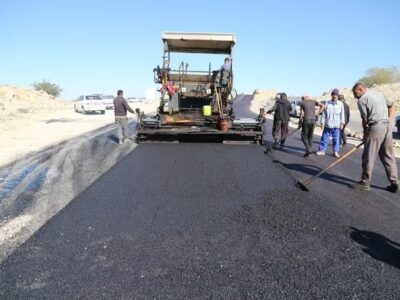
x=48, y=157
x=24, y=133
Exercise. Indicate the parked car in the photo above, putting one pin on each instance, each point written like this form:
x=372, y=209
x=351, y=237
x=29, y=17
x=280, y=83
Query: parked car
x=108, y=101
x=131, y=99
x=295, y=102
x=136, y=99
x=89, y=103
x=397, y=122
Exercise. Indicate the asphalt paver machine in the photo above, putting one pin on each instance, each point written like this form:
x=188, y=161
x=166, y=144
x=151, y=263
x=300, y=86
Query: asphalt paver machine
x=197, y=105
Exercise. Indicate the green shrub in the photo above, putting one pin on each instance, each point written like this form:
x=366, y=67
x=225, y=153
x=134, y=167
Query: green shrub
x=380, y=76
x=48, y=87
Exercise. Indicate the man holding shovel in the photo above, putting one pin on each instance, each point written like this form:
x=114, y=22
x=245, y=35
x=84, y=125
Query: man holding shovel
x=376, y=112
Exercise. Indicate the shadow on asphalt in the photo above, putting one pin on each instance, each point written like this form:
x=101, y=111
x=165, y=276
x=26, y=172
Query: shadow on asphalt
x=313, y=170
x=113, y=137
x=284, y=149
x=290, y=150
x=377, y=246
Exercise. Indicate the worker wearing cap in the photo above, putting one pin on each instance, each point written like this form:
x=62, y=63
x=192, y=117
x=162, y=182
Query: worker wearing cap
x=332, y=121
x=376, y=112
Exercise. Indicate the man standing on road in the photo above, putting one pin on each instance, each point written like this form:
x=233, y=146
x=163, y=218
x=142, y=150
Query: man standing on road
x=332, y=122
x=120, y=111
x=376, y=112
x=282, y=108
x=343, y=138
x=307, y=121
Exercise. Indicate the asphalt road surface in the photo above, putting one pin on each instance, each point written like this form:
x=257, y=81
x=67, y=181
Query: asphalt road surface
x=34, y=189
x=215, y=221
x=211, y=221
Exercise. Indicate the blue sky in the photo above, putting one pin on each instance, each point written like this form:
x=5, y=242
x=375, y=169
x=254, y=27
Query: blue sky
x=101, y=46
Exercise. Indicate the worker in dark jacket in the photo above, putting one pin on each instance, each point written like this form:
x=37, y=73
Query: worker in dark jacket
x=120, y=111
x=282, y=108
x=343, y=138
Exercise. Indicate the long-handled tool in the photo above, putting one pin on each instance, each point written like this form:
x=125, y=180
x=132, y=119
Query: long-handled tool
x=270, y=147
x=219, y=102
x=303, y=185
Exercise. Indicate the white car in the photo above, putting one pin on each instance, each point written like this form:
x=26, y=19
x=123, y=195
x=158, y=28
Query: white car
x=108, y=101
x=131, y=100
x=295, y=107
x=89, y=103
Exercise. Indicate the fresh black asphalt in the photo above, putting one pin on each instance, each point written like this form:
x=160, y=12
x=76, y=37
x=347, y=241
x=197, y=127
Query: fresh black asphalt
x=213, y=221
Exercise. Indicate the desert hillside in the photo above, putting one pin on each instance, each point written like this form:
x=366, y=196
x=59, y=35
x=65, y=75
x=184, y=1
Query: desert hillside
x=15, y=101
x=31, y=121
x=262, y=97
x=391, y=91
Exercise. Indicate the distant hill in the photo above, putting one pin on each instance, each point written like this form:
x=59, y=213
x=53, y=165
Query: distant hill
x=264, y=97
x=18, y=100
x=391, y=91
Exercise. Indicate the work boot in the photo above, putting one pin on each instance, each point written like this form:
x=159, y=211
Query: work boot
x=335, y=154
x=393, y=188
x=362, y=186
x=320, y=153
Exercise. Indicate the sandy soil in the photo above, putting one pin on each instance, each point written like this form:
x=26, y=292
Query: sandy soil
x=30, y=132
